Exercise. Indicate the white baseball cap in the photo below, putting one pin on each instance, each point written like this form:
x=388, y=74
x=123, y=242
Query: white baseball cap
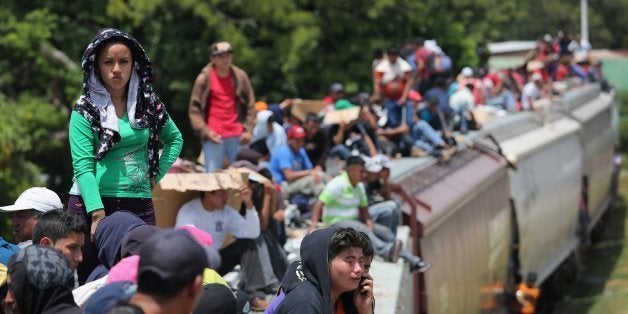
x=376, y=163
x=38, y=198
x=371, y=165
x=536, y=77
x=467, y=72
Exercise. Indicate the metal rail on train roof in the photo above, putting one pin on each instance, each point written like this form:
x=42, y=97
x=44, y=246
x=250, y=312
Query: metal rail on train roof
x=419, y=178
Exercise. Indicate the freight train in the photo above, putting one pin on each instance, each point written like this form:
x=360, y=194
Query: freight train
x=523, y=196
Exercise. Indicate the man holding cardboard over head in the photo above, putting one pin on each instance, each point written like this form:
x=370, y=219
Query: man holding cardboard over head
x=211, y=213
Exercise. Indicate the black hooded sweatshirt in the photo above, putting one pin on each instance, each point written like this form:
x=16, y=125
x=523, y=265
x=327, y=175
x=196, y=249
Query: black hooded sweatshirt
x=313, y=294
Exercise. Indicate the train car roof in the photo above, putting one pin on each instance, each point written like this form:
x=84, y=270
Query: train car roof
x=403, y=167
x=442, y=187
x=508, y=126
x=593, y=108
x=517, y=148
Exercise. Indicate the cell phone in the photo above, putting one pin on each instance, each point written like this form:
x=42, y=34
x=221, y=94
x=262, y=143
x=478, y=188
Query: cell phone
x=362, y=284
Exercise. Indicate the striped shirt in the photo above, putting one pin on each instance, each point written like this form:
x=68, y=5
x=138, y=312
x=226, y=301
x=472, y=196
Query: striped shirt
x=342, y=200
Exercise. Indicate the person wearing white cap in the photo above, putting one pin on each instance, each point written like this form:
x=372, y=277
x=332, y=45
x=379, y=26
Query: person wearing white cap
x=382, y=208
x=531, y=91
x=27, y=209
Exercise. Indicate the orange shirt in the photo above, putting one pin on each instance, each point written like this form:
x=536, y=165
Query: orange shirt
x=339, y=307
x=529, y=296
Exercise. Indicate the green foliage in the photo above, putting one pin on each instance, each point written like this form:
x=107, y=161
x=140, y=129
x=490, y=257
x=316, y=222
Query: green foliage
x=28, y=137
x=622, y=107
x=623, y=134
x=290, y=48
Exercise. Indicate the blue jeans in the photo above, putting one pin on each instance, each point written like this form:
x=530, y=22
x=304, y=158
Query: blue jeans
x=396, y=113
x=386, y=214
x=504, y=100
x=425, y=137
x=341, y=151
x=215, y=153
x=461, y=111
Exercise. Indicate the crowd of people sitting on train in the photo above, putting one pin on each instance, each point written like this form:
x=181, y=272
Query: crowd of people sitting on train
x=319, y=165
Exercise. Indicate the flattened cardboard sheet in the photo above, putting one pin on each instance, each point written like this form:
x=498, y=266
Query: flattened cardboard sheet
x=346, y=115
x=301, y=107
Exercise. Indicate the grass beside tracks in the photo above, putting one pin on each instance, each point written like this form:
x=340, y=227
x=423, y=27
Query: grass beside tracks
x=602, y=287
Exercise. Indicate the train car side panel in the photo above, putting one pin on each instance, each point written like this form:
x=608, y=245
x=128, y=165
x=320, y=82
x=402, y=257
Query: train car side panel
x=597, y=137
x=466, y=237
x=545, y=189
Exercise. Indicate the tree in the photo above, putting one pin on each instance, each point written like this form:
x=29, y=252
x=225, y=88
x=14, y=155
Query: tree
x=290, y=48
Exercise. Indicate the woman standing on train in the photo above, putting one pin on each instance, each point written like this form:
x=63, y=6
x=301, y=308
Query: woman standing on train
x=116, y=129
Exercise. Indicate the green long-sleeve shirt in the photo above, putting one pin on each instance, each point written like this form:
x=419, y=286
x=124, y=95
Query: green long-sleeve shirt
x=123, y=172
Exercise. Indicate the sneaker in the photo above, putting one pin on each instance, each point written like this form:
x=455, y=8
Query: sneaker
x=258, y=304
x=395, y=250
x=418, y=152
x=447, y=153
x=419, y=267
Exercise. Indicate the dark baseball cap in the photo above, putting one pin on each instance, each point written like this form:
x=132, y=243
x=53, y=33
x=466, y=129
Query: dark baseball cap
x=218, y=299
x=169, y=261
x=336, y=88
x=132, y=242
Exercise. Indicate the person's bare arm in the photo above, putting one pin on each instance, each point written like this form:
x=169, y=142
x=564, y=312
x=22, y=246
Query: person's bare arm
x=370, y=145
x=386, y=185
x=364, y=217
x=317, y=211
x=409, y=82
x=267, y=210
x=402, y=129
x=292, y=175
x=97, y=216
x=377, y=81
x=339, y=136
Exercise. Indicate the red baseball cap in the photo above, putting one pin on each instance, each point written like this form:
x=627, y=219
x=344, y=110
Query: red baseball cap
x=296, y=131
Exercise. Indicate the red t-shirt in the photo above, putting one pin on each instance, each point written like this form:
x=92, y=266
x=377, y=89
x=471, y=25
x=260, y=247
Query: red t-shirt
x=420, y=57
x=222, y=113
x=562, y=72
x=328, y=100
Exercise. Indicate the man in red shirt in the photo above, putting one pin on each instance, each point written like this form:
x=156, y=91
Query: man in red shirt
x=222, y=107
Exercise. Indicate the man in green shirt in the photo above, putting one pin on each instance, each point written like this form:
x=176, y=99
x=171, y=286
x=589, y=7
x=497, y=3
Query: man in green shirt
x=343, y=203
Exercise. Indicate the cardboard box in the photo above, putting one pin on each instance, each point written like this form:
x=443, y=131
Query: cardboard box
x=299, y=108
x=346, y=115
x=176, y=189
